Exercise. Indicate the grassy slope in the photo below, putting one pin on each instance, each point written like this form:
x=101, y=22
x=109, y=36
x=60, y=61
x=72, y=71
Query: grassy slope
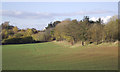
x=54, y=56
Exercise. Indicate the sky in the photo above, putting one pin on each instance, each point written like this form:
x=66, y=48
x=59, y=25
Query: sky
x=39, y=14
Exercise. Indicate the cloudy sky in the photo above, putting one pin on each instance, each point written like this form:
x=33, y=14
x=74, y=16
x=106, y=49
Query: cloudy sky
x=39, y=14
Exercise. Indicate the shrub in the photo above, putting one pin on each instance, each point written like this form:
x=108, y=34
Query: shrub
x=22, y=40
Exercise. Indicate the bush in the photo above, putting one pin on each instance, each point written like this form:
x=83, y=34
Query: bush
x=28, y=39
x=22, y=40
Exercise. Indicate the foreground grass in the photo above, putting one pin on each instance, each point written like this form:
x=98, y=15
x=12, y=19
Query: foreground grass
x=57, y=56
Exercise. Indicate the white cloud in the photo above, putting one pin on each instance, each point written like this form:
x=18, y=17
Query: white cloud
x=94, y=18
x=105, y=19
x=41, y=15
x=19, y=14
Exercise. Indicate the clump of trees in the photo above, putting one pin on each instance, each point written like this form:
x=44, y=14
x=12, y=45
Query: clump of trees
x=73, y=31
x=14, y=35
x=87, y=31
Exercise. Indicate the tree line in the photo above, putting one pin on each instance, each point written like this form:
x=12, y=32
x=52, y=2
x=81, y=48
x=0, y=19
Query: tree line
x=73, y=31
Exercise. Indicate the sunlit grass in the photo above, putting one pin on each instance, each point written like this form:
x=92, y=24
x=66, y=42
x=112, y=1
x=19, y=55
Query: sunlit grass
x=57, y=56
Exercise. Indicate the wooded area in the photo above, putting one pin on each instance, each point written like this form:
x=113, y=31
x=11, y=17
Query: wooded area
x=73, y=31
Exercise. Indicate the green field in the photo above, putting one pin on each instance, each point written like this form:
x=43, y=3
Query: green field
x=56, y=56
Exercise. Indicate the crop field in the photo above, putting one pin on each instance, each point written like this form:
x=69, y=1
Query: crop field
x=56, y=56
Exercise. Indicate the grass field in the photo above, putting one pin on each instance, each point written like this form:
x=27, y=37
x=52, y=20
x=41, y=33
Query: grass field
x=56, y=56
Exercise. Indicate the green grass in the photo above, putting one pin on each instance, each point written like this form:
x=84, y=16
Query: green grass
x=55, y=56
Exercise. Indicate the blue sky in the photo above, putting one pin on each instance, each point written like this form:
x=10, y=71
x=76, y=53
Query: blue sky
x=39, y=14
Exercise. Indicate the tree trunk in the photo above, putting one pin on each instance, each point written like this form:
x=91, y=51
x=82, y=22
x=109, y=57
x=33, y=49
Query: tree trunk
x=82, y=43
x=71, y=43
x=97, y=42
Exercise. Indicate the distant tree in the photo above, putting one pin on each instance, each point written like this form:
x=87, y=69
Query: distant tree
x=59, y=32
x=52, y=25
x=111, y=30
x=6, y=25
x=29, y=32
x=34, y=30
x=4, y=34
x=15, y=29
x=49, y=25
x=86, y=18
x=70, y=30
x=18, y=35
x=55, y=23
x=39, y=37
x=95, y=33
